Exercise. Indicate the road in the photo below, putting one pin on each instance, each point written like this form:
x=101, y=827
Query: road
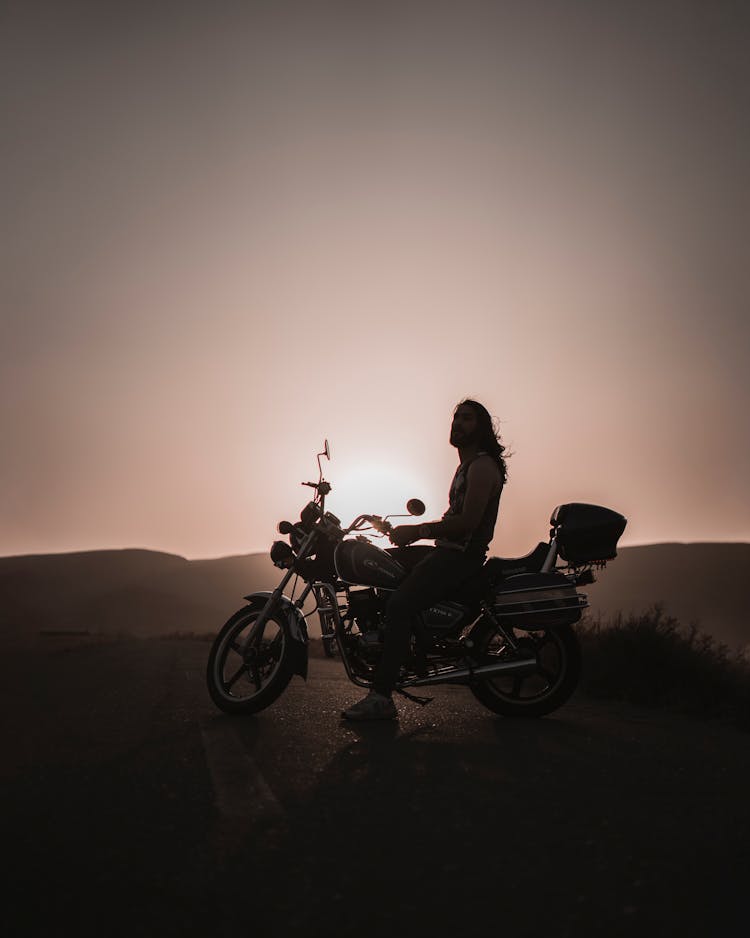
x=132, y=807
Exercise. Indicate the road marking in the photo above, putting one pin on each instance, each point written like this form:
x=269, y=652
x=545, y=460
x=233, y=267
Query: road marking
x=240, y=791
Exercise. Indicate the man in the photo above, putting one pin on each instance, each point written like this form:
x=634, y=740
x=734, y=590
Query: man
x=462, y=538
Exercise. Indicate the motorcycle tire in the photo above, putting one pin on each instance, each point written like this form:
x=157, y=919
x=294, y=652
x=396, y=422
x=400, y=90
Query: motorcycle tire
x=246, y=684
x=534, y=695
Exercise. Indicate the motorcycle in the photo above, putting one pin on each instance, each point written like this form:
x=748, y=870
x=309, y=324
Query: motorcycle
x=507, y=634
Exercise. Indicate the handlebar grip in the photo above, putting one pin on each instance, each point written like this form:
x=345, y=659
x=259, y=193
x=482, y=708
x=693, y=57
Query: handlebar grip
x=381, y=526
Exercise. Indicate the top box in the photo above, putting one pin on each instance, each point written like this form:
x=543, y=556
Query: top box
x=586, y=533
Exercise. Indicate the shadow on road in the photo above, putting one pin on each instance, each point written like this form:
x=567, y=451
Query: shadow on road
x=557, y=826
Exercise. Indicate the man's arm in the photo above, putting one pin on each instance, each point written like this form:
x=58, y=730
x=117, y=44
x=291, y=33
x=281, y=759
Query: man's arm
x=481, y=480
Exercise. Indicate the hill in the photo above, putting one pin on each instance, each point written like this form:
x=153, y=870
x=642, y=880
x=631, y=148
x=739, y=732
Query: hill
x=145, y=592
x=697, y=583
x=138, y=592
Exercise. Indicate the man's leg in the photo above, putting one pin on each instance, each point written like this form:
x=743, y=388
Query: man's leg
x=432, y=579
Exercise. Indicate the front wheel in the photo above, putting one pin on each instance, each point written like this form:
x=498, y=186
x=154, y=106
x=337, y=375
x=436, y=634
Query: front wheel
x=246, y=679
x=558, y=670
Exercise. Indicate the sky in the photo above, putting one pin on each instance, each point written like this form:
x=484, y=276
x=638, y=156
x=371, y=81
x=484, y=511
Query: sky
x=231, y=230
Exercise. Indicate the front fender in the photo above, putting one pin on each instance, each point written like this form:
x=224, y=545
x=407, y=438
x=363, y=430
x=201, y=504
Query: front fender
x=296, y=628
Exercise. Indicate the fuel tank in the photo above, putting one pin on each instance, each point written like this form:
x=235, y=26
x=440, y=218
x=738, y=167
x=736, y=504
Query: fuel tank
x=365, y=564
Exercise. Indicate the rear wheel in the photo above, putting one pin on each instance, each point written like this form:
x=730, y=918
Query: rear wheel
x=558, y=670
x=245, y=678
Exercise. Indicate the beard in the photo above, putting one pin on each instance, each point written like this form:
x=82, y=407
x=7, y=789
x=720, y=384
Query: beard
x=459, y=438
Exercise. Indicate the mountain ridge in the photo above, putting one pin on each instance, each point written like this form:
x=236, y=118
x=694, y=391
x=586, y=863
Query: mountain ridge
x=145, y=592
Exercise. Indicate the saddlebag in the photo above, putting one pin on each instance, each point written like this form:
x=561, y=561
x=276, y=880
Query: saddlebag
x=538, y=601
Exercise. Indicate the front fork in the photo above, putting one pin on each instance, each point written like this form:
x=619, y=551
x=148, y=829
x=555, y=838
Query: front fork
x=260, y=623
x=276, y=595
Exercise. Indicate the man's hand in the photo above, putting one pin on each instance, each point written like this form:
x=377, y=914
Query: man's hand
x=404, y=534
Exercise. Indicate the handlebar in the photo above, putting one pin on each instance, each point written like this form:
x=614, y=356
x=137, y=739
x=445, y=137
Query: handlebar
x=322, y=488
x=375, y=521
x=380, y=524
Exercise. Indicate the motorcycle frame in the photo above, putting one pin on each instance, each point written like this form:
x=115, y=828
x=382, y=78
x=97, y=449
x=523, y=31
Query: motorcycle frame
x=331, y=609
x=327, y=590
x=551, y=559
x=446, y=675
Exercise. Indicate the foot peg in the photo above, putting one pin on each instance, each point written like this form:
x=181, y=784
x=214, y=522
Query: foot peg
x=422, y=701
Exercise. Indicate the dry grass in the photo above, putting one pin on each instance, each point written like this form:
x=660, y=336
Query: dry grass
x=187, y=636
x=655, y=661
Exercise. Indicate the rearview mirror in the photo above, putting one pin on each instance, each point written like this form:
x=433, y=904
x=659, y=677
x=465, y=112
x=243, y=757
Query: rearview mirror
x=415, y=506
x=326, y=449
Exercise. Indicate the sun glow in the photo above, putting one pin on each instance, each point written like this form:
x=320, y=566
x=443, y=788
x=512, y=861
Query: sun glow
x=375, y=488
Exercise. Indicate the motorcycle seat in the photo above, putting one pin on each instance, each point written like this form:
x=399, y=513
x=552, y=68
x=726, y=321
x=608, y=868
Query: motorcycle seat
x=498, y=568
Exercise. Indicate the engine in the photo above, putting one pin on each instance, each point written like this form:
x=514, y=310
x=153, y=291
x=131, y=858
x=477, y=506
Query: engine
x=366, y=622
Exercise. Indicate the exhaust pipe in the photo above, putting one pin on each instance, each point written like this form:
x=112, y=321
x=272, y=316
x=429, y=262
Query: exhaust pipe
x=469, y=675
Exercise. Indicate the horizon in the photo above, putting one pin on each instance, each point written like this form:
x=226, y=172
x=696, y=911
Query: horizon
x=261, y=553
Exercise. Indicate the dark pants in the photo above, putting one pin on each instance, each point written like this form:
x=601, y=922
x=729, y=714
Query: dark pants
x=435, y=572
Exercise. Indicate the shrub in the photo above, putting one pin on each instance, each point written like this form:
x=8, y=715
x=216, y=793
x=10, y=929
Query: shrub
x=653, y=660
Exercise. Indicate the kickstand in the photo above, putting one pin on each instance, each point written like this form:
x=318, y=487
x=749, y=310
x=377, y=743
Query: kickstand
x=422, y=701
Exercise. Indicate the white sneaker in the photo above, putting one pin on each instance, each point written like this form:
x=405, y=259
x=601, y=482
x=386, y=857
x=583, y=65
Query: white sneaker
x=372, y=707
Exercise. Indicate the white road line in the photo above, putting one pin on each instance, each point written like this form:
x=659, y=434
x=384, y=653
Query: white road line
x=240, y=790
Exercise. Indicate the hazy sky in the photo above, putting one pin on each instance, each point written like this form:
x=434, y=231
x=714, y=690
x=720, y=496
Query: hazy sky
x=232, y=229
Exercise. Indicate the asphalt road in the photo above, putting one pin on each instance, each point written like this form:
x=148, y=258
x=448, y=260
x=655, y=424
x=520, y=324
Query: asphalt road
x=132, y=807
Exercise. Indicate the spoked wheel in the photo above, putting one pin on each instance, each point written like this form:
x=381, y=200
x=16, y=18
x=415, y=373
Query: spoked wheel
x=245, y=678
x=540, y=692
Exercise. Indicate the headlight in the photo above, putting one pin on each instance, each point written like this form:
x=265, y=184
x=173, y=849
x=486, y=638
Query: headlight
x=282, y=554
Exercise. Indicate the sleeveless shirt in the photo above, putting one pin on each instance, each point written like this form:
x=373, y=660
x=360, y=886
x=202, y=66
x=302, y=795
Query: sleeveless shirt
x=479, y=540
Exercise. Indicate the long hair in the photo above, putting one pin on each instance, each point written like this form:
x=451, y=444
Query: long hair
x=489, y=437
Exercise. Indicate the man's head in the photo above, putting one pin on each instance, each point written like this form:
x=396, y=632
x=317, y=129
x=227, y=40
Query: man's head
x=465, y=429
x=473, y=426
